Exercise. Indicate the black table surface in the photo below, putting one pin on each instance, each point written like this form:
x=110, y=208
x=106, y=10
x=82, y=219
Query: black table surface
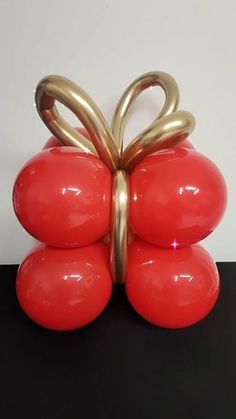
x=118, y=366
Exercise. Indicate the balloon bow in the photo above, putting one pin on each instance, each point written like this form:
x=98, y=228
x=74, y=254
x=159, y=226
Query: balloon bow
x=169, y=128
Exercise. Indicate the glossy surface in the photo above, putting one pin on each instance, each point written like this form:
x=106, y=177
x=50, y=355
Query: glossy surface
x=185, y=144
x=171, y=288
x=64, y=289
x=63, y=197
x=54, y=142
x=178, y=197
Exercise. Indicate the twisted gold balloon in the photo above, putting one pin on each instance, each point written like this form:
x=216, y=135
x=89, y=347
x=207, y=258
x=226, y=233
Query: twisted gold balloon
x=59, y=88
x=155, y=78
x=169, y=128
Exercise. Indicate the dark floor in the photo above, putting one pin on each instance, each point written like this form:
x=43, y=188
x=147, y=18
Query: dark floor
x=119, y=367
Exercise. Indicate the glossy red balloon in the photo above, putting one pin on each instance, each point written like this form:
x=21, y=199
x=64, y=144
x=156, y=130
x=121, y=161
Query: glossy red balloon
x=62, y=197
x=64, y=289
x=185, y=144
x=178, y=197
x=171, y=288
x=54, y=142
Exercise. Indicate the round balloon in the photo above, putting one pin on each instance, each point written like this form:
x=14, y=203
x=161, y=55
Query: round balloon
x=64, y=289
x=171, y=288
x=178, y=197
x=62, y=197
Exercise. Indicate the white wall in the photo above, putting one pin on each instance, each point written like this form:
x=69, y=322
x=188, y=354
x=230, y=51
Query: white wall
x=103, y=45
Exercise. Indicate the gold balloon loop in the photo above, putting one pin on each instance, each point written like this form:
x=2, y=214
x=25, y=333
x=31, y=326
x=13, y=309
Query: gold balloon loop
x=165, y=132
x=59, y=88
x=155, y=78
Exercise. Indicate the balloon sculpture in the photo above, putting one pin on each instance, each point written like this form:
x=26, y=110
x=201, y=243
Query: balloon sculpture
x=106, y=216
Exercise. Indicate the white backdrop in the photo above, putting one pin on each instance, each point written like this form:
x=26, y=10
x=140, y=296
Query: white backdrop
x=103, y=45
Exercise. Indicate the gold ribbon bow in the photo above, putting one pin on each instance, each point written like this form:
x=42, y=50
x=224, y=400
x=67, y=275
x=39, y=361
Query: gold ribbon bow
x=169, y=128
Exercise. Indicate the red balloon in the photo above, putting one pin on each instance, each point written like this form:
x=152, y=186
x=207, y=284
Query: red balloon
x=178, y=197
x=54, y=142
x=171, y=288
x=64, y=289
x=185, y=144
x=62, y=197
